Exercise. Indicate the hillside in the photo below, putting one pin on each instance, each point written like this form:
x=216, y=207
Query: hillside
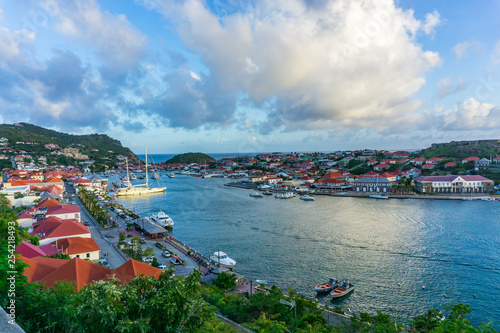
x=191, y=158
x=462, y=150
x=32, y=139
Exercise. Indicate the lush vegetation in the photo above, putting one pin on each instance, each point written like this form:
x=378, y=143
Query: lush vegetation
x=98, y=212
x=462, y=151
x=188, y=158
x=96, y=146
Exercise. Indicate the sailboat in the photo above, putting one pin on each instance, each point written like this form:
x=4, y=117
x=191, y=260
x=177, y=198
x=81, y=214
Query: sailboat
x=140, y=189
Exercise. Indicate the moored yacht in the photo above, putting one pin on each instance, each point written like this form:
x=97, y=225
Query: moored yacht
x=256, y=195
x=220, y=258
x=306, y=198
x=163, y=219
x=286, y=195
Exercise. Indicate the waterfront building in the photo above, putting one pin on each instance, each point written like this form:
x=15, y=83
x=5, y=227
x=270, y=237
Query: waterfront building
x=453, y=184
x=372, y=184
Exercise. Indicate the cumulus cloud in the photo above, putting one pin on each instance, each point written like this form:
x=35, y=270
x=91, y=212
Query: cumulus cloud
x=463, y=49
x=446, y=87
x=472, y=115
x=113, y=37
x=432, y=20
x=336, y=63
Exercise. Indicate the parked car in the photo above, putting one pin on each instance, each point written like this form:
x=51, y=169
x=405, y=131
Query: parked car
x=109, y=236
x=176, y=261
x=103, y=261
x=166, y=254
x=162, y=267
x=87, y=223
x=147, y=259
x=142, y=240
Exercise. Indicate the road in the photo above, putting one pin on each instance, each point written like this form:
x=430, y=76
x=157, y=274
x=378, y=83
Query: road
x=114, y=257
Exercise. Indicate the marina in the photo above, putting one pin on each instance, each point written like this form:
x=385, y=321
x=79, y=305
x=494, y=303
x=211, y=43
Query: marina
x=380, y=245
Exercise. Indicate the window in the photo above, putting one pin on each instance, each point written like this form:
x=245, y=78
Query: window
x=78, y=256
x=88, y=255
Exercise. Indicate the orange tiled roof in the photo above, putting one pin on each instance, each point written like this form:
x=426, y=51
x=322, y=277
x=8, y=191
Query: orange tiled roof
x=77, y=270
x=39, y=267
x=132, y=268
x=48, y=202
x=76, y=245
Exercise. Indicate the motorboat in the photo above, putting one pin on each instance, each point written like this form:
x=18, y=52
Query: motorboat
x=155, y=175
x=163, y=219
x=267, y=193
x=171, y=175
x=286, y=195
x=220, y=258
x=256, y=195
x=327, y=286
x=133, y=176
x=343, y=290
x=306, y=198
x=379, y=196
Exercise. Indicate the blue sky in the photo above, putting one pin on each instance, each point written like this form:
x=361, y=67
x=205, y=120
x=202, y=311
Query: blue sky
x=254, y=76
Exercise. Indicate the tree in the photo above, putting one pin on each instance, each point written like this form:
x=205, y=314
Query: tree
x=225, y=281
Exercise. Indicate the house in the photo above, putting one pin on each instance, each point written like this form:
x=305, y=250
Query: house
x=418, y=161
x=496, y=159
x=64, y=212
x=79, y=247
x=336, y=175
x=428, y=166
x=29, y=250
x=53, y=228
x=434, y=160
x=450, y=165
x=389, y=176
x=453, y=184
x=49, y=271
x=381, y=167
x=483, y=163
x=470, y=159
x=413, y=172
x=331, y=183
x=372, y=184
x=132, y=268
x=372, y=162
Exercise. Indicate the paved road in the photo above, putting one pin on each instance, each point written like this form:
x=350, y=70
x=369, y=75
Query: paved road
x=179, y=269
x=114, y=258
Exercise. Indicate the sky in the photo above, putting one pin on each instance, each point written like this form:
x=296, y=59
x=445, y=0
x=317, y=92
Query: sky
x=254, y=76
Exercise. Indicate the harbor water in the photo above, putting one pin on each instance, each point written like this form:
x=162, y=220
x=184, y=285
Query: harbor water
x=404, y=256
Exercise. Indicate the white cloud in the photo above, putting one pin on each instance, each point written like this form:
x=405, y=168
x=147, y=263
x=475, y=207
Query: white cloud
x=342, y=63
x=495, y=56
x=473, y=115
x=463, y=49
x=446, y=87
x=8, y=45
x=114, y=38
x=195, y=76
x=432, y=20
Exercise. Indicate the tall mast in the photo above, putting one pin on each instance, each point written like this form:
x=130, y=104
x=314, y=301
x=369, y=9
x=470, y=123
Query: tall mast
x=147, y=178
x=128, y=179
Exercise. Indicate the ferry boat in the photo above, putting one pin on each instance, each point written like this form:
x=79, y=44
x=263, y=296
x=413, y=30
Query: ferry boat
x=163, y=219
x=256, y=195
x=327, y=286
x=220, y=258
x=343, y=290
x=306, y=198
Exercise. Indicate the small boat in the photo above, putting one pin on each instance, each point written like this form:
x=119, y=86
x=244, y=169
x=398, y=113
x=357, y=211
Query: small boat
x=220, y=258
x=155, y=175
x=306, y=198
x=379, y=196
x=256, y=195
x=133, y=176
x=343, y=290
x=263, y=281
x=171, y=175
x=286, y=195
x=327, y=286
x=267, y=193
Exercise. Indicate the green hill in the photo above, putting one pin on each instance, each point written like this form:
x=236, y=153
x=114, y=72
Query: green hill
x=32, y=139
x=462, y=149
x=191, y=158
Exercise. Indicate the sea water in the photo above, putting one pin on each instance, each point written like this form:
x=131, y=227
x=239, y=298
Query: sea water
x=403, y=256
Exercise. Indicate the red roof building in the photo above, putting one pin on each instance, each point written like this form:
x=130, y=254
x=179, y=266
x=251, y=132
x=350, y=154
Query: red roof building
x=450, y=165
x=132, y=268
x=53, y=228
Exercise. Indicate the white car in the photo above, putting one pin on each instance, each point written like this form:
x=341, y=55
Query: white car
x=147, y=259
x=162, y=267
